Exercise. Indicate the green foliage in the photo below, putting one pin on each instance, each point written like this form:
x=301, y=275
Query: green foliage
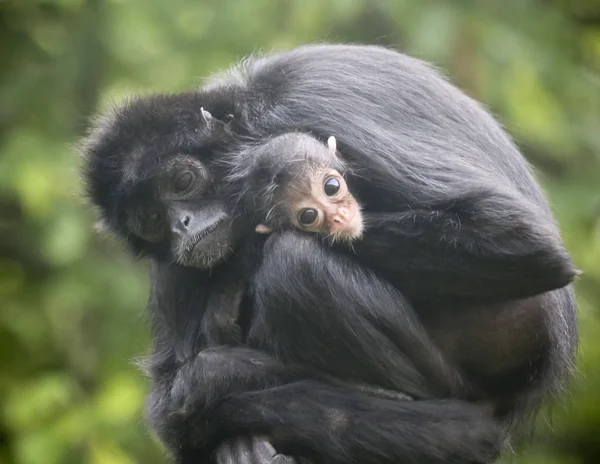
x=71, y=312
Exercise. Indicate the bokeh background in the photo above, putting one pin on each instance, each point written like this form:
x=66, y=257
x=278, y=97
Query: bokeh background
x=71, y=304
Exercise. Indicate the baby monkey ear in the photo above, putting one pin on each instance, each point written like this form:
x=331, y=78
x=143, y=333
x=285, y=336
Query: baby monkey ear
x=332, y=144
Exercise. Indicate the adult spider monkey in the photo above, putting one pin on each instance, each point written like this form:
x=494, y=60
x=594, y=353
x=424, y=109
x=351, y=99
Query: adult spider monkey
x=461, y=258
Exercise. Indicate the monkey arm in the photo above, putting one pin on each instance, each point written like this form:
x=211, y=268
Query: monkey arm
x=338, y=425
x=191, y=377
x=185, y=394
x=301, y=281
x=311, y=300
x=316, y=420
x=228, y=392
x=313, y=306
x=484, y=246
x=413, y=139
x=312, y=419
x=188, y=376
x=198, y=406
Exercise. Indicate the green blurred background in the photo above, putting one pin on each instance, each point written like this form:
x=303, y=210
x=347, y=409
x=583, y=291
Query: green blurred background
x=71, y=304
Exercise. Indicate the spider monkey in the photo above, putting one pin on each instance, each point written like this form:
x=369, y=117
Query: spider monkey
x=458, y=288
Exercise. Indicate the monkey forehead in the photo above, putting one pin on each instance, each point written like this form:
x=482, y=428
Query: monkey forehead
x=130, y=141
x=299, y=146
x=300, y=179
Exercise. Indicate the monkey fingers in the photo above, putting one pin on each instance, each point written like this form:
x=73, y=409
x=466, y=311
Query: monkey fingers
x=255, y=450
x=262, y=229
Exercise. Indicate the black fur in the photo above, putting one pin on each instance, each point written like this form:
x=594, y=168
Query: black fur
x=458, y=224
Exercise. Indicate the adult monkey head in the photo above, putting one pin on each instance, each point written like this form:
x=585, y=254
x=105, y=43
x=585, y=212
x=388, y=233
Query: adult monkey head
x=150, y=170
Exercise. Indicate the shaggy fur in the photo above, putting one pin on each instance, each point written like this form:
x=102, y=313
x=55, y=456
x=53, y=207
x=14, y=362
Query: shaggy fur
x=458, y=290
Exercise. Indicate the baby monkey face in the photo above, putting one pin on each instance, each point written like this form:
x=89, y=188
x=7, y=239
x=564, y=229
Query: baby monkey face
x=325, y=205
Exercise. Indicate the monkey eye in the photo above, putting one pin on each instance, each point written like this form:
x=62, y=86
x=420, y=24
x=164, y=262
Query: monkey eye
x=149, y=224
x=151, y=217
x=308, y=216
x=183, y=181
x=332, y=186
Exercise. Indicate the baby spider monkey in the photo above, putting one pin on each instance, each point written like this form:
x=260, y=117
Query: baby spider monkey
x=290, y=181
x=305, y=188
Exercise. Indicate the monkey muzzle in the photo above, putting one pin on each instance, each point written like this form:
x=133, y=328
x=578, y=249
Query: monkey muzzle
x=345, y=222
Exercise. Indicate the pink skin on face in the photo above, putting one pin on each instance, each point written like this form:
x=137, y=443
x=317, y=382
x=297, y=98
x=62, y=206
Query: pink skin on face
x=344, y=220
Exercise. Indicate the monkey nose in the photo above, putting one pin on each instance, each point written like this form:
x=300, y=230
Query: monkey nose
x=182, y=224
x=341, y=215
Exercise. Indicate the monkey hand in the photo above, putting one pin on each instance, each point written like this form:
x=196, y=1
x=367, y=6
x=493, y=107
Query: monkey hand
x=254, y=450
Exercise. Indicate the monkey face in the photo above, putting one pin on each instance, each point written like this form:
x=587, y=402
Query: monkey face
x=183, y=214
x=150, y=171
x=327, y=207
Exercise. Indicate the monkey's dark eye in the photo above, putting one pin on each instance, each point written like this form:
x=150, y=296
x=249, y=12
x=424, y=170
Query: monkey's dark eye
x=149, y=224
x=332, y=186
x=150, y=218
x=183, y=181
x=308, y=216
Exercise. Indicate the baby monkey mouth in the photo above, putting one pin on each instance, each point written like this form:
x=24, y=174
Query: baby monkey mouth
x=349, y=229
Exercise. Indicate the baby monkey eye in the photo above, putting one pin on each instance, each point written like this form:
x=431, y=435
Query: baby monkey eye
x=308, y=216
x=332, y=186
x=183, y=181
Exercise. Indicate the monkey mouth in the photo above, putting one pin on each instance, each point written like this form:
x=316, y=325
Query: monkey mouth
x=199, y=238
x=350, y=231
x=207, y=247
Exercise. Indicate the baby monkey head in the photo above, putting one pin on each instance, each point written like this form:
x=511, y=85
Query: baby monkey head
x=312, y=194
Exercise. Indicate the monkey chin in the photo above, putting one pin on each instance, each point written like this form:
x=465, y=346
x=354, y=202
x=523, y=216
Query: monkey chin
x=350, y=232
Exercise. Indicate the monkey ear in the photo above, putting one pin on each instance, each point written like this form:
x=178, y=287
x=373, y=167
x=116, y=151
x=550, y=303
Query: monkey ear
x=206, y=115
x=213, y=124
x=332, y=144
